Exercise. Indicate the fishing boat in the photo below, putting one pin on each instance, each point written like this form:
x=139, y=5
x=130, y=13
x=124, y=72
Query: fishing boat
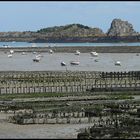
x=77, y=52
x=118, y=63
x=36, y=59
x=94, y=54
x=63, y=64
x=74, y=62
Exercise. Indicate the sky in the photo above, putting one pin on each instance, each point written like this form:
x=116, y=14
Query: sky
x=34, y=15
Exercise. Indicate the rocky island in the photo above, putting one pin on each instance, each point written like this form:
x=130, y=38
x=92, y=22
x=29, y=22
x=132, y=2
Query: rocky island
x=119, y=31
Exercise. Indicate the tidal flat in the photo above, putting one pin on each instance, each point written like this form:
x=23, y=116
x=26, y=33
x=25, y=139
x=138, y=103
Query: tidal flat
x=52, y=62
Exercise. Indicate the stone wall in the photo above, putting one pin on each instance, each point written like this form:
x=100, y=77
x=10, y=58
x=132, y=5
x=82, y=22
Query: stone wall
x=51, y=118
x=70, y=120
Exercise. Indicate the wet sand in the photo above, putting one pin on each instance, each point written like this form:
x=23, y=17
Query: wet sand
x=51, y=62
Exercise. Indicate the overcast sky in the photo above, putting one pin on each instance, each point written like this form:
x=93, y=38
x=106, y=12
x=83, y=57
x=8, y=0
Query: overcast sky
x=34, y=15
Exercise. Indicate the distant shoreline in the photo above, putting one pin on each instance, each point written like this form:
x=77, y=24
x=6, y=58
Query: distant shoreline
x=86, y=49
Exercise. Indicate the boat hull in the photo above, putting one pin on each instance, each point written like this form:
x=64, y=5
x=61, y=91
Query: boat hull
x=74, y=63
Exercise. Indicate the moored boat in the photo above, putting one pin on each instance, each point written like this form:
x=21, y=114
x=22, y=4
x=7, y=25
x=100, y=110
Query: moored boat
x=77, y=52
x=74, y=62
x=118, y=63
x=23, y=53
x=10, y=55
x=63, y=64
x=11, y=51
x=94, y=54
x=37, y=59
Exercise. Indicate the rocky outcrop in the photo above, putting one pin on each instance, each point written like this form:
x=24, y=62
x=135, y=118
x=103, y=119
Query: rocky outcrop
x=121, y=28
x=120, y=31
x=72, y=30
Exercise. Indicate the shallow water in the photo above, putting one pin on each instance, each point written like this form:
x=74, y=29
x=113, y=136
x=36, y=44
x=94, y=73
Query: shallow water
x=27, y=44
x=19, y=62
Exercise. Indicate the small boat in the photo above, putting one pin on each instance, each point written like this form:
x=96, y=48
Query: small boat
x=36, y=59
x=118, y=63
x=63, y=64
x=34, y=52
x=137, y=54
x=74, y=62
x=11, y=51
x=23, y=53
x=10, y=55
x=5, y=46
x=77, y=52
x=50, y=51
x=94, y=53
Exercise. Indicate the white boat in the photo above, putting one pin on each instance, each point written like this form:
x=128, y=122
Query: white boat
x=77, y=52
x=37, y=58
x=10, y=55
x=39, y=55
x=23, y=53
x=11, y=51
x=74, y=62
x=63, y=64
x=50, y=51
x=118, y=63
x=94, y=53
x=34, y=52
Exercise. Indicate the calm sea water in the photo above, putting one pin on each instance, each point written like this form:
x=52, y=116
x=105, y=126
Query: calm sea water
x=26, y=44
